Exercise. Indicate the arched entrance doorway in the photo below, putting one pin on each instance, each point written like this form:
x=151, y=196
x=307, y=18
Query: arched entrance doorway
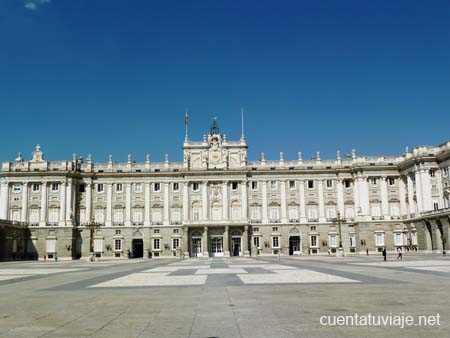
x=196, y=244
x=295, y=247
x=236, y=245
x=137, y=245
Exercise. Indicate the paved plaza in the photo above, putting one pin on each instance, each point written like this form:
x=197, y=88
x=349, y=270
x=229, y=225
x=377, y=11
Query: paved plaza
x=222, y=297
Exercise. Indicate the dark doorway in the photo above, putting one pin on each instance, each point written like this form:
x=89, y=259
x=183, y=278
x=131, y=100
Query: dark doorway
x=236, y=246
x=138, y=248
x=294, y=244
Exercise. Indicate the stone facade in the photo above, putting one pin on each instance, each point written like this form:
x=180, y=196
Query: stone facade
x=218, y=203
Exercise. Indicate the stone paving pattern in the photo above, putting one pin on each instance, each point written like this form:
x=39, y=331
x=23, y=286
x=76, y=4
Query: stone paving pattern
x=220, y=297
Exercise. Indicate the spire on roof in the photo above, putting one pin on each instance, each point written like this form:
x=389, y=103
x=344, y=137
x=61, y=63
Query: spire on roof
x=214, y=127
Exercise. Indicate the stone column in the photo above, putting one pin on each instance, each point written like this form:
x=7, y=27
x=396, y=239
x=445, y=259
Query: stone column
x=419, y=194
x=205, y=201
x=88, y=202
x=108, y=222
x=265, y=218
x=186, y=241
x=225, y=201
x=128, y=204
x=402, y=193
x=426, y=190
x=384, y=198
x=186, y=202
x=440, y=190
x=4, y=200
x=303, y=218
x=69, y=211
x=62, y=205
x=356, y=196
x=147, y=204
x=205, y=242
x=364, y=196
x=166, y=204
x=44, y=200
x=436, y=239
x=244, y=201
x=411, y=202
x=340, y=197
x=321, y=201
x=245, y=241
x=283, y=202
x=24, y=214
x=226, y=242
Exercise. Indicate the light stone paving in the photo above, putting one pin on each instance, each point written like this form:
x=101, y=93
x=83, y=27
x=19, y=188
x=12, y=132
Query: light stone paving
x=9, y=277
x=443, y=268
x=32, y=271
x=152, y=279
x=403, y=263
x=294, y=276
x=219, y=271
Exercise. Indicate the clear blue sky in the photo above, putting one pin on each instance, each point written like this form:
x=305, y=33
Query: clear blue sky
x=100, y=77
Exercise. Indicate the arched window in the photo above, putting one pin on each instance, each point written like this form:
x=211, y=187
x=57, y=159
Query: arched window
x=216, y=211
x=235, y=211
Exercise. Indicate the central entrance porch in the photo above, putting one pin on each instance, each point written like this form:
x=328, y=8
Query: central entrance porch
x=216, y=241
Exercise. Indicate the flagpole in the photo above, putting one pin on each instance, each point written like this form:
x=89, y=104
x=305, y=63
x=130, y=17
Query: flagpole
x=186, y=120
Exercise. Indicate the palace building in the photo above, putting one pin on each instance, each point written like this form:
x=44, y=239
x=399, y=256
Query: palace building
x=216, y=202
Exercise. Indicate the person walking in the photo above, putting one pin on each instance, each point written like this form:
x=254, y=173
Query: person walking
x=367, y=251
x=384, y=254
x=400, y=254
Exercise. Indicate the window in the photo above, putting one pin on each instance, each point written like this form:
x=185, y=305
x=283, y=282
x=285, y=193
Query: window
x=254, y=213
x=293, y=213
x=312, y=213
x=313, y=239
x=292, y=185
x=235, y=212
x=373, y=181
x=273, y=185
x=175, y=243
x=435, y=205
x=349, y=212
x=274, y=229
x=329, y=184
x=156, y=187
x=445, y=172
x=138, y=187
x=34, y=216
x=274, y=215
x=17, y=187
x=176, y=215
x=100, y=187
x=196, y=213
x=156, y=244
x=137, y=215
x=256, y=242
x=176, y=186
x=117, y=245
x=53, y=216
x=347, y=183
x=414, y=238
x=36, y=187
x=395, y=209
x=156, y=216
x=379, y=239
x=332, y=241
x=81, y=187
x=55, y=186
x=254, y=185
x=118, y=232
x=99, y=216
x=352, y=238
x=119, y=187
x=376, y=209
x=195, y=186
x=313, y=228
x=433, y=173
x=255, y=229
x=398, y=239
x=234, y=186
x=275, y=242
x=331, y=213
x=216, y=212
x=118, y=216
x=391, y=181
x=310, y=184
x=175, y=231
x=156, y=231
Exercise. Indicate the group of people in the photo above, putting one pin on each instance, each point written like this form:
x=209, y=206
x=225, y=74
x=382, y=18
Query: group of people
x=399, y=256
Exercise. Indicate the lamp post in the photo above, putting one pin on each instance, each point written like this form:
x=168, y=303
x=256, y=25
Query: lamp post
x=92, y=225
x=338, y=220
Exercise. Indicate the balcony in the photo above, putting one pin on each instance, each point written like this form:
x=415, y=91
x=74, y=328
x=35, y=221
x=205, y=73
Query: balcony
x=274, y=221
x=313, y=220
x=255, y=221
x=157, y=223
x=118, y=223
x=293, y=221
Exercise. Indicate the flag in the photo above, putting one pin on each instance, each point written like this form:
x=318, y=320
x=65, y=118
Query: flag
x=186, y=119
